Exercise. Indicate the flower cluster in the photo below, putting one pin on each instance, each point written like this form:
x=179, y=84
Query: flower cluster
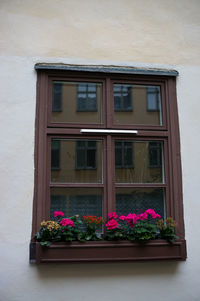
x=133, y=227
x=58, y=214
x=67, y=222
x=50, y=225
x=112, y=215
x=112, y=224
x=93, y=219
x=131, y=218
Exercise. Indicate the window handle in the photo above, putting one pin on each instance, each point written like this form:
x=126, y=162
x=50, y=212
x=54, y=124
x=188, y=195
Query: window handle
x=102, y=131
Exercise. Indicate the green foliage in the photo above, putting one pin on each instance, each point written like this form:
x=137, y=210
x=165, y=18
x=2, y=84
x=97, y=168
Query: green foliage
x=115, y=234
x=141, y=231
x=167, y=229
x=144, y=231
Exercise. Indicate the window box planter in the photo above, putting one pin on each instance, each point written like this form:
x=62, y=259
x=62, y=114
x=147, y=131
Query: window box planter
x=104, y=251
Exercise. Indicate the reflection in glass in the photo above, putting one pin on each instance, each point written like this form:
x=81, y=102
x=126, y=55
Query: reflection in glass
x=76, y=102
x=86, y=97
x=137, y=200
x=139, y=161
x=137, y=104
x=76, y=161
x=122, y=98
x=72, y=201
x=124, y=154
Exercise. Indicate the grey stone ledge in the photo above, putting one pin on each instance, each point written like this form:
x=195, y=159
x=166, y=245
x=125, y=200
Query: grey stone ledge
x=107, y=69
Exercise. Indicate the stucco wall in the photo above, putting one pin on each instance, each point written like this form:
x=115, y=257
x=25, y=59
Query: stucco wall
x=150, y=33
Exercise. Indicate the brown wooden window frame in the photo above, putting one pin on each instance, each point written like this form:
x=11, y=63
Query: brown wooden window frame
x=168, y=132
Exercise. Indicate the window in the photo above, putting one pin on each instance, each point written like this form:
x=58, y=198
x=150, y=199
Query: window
x=124, y=155
x=55, y=154
x=86, y=97
x=57, y=97
x=111, y=159
x=153, y=99
x=155, y=154
x=86, y=154
x=122, y=98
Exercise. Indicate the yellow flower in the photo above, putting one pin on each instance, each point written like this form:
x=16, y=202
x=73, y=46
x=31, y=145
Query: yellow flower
x=50, y=225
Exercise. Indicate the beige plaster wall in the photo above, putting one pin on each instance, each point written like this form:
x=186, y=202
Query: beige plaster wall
x=154, y=33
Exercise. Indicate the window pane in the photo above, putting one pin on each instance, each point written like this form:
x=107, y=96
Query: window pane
x=80, y=161
x=137, y=104
x=72, y=201
x=76, y=102
x=137, y=200
x=139, y=162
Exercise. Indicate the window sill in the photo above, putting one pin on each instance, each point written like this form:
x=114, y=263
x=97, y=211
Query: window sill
x=104, y=251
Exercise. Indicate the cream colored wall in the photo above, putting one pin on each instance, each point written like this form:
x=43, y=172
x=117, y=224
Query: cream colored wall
x=150, y=33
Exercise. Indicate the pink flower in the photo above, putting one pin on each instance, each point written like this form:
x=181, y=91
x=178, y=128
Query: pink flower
x=122, y=218
x=131, y=217
x=112, y=224
x=142, y=216
x=67, y=222
x=152, y=213
x=112, y=215
x=58, y=213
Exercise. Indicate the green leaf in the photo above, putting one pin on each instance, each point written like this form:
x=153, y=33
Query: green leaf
x=45, y=243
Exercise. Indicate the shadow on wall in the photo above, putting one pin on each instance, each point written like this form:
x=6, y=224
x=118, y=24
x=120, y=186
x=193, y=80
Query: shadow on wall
x=107, y=270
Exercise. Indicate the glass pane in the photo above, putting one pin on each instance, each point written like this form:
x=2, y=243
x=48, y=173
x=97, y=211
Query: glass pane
x=76, y=102
x=137, y=104
x=137, y=200
x=72, y=201
x=139, y=161
x=78, y=161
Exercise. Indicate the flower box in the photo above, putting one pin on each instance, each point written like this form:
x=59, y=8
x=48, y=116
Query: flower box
x=107, y=251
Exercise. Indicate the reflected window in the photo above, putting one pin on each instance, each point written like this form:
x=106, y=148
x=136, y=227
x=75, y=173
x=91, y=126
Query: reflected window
x=153, y=99
x=124, y=154
x=57, y=97
x=155, y=154
x=86, y=97
x=86, y=154
x=55, y=154
x=122, y=98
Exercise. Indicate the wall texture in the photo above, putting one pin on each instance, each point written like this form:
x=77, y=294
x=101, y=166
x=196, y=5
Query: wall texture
x=150, y=33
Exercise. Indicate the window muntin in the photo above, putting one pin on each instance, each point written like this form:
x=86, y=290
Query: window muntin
x=144, y=97
x=81, y=102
